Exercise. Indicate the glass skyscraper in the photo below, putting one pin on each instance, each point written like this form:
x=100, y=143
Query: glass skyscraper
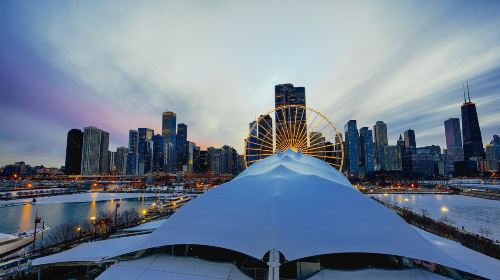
x=287, y=94
x=380, y=135
x=181, y=147
x=366, y=150
x=454, y=148
x=351, y=146
x=168, y=129
x=472, y=139
x=159, y=153
x=95, y=151
x=73, y=162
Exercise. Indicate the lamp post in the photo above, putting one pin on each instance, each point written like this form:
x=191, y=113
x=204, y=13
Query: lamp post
x=92, y=221
x=37, y=221
x=116, y=211
x=444, y=210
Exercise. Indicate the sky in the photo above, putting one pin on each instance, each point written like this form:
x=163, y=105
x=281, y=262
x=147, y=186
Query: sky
x=118, y=65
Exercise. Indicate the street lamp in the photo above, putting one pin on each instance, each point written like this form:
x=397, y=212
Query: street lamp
x=444, y=210
x=92, y=220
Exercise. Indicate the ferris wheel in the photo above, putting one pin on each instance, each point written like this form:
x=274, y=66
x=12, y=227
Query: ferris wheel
x=294, y=127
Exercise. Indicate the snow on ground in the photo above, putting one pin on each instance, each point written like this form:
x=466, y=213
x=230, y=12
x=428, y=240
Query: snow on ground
x=80, y=197
x=472, y=213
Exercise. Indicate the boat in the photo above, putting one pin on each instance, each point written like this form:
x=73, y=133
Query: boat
x=10, y=243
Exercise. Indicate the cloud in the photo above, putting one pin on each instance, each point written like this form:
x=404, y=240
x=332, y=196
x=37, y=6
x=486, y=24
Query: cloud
x=118, y=65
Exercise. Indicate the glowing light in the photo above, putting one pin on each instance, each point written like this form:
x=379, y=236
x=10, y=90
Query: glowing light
x=78, y=229
x=92, y=218
x=444, y=209
x=144, y=211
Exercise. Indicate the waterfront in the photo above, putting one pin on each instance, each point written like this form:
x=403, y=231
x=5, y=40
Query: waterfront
x=474, y=214
x=58, y=209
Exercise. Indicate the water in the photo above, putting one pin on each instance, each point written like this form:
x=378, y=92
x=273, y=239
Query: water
x=474, y=214
x=59, y=209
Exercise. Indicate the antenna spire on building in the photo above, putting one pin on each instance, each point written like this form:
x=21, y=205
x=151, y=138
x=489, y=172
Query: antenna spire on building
x=463, y=87
x=468, y=90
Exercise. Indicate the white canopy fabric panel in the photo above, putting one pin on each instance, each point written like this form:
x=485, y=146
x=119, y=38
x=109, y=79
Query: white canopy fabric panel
x=298, y=205
x=89, y=252
x=376, y=274
x=167, y=267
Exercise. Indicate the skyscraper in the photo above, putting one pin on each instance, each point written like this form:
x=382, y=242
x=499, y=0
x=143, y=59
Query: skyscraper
x=287, y=94
x=168, y=129
x=366, y=150
x=133, y=149
x=252, y=144
x=380, y=135
x=265, y=135
x=351, y=146
x=121, y=160
x=454, y=148
x=145, y=154
x=493, y=154
x=410, y=143
x=181, y=146
x=472, y=139
x=392, y=158
x=74, y=144
x=159, y=153
x=409, y=149
x=104, y=157
x=95, y=151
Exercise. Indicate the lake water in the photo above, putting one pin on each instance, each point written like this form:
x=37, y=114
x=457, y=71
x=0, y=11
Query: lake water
x=470, y=212
x=59, y=209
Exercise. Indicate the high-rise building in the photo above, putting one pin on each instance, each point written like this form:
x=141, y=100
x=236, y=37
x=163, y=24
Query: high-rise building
x=454, y=150
x=73, y=163
x=159, y=153
x=287, y=94
x=132, y=162
x=380, y=135
x=472, y=139
x=392, y=158
x=181, y=146
x=351, y=149
x=190, y=157
x=111, y=162
x=95, y=151
x=204, y=168
x=366, y=151
x=252, y=144
x=410, y=143
x=121, y=160
x=196, y=159
x=169, y=124
x=493, y=154
x=145, y=151
x=133, y=141
x=104, y=149
x=265, y=135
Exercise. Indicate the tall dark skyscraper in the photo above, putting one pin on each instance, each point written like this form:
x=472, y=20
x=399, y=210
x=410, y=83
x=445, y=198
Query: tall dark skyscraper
x=287, y=94
x=133, y=149
x=168, y=129
x=182, y=147
x=380, y=135
x=145, y=155
x=453, y=134
x=159, y=153
x=351, y=149
x=410, y=142
x=366, y=150
x=472, y=139
x=74, y=144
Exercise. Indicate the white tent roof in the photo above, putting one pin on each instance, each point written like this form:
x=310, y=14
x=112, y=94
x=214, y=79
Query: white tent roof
x=376, y=274
x=298, y=205
x=168, y=267
x=89, y=252
x=149, y=226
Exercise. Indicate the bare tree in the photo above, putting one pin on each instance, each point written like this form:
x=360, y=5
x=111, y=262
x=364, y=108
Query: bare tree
x=425, y=212
x=485, y=231
x=63, y=233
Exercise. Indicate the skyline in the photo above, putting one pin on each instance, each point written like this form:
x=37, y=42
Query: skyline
x=127, y=64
